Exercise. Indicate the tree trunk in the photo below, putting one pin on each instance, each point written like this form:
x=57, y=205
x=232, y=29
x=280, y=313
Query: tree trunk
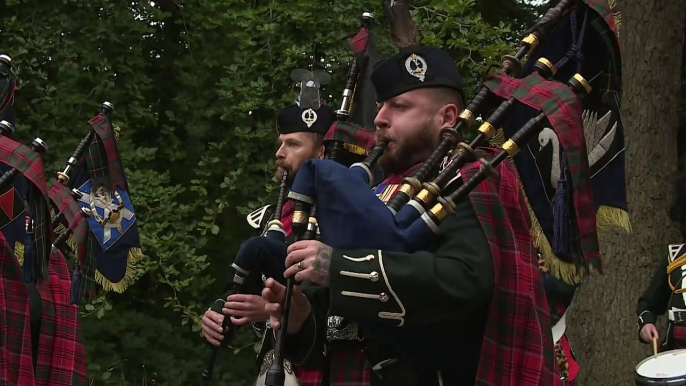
x=603, y=329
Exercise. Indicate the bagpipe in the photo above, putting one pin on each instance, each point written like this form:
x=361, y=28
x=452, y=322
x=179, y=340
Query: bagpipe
x=530, y=109
x=345, y=143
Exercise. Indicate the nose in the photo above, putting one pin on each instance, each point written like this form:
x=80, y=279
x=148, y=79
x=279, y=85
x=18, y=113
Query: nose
x=281, y=153
x=382, y=120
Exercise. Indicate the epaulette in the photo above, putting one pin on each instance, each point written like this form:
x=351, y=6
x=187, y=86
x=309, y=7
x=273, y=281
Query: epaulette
x=255, y=217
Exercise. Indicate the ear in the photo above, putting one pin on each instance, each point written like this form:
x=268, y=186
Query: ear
x=448, y=115
x=320, y=154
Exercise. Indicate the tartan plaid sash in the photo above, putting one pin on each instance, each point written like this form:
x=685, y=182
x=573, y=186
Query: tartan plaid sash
x=517, y=347
x=30, y=164
x=103, y=129
x=359, y=42
x=61, y=354
x=563, y=112
x=71, y=212
x=16, y=367
x=351, y=134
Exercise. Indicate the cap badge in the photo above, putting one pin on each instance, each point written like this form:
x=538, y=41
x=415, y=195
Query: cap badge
x=309, y=116
x=416, y=66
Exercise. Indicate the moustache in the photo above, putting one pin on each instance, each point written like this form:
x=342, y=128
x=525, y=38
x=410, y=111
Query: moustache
x=382, y=135
x=283, y=165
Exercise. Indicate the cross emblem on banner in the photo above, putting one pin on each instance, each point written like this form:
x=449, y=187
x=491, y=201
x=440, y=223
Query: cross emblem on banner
x=112, y=213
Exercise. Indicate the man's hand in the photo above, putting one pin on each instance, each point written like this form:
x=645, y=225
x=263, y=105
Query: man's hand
x=309, y=260
x=648, y=332
x=275, y=294
x=245, y=309
x=212, y=327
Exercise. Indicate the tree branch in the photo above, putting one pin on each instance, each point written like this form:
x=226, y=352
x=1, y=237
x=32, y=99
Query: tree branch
x=402, y=27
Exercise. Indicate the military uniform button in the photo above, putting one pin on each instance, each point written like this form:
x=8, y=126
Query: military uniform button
x=383, y=297
x=374, y=276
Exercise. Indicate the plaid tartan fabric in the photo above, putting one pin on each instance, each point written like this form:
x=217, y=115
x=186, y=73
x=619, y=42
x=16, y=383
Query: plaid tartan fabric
x=61, y=357
x=679, y=336
x=105, y=137
x=46, y=340
x=30, y=164
x=71, y=212
x=351, y=133
x=359, y=42
x=517, y=348
x=347, y=367
x=16, y=367
x=27, y=161
x=308, y=376
x=607, y=9
x=563, y=112
x=287, y=216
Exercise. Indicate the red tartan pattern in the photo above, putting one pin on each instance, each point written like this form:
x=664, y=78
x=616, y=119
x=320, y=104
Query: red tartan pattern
x=565, y=118
x=287, y=216
x=308, y=376
x=71, y=211
x=348, y=367
x=16, y=367
x=46, y=339
x=27, y=161
x=351, y=133
x=103, y=128
x=517, y=347
x=359, y=42
x=679, y=337
x=62, y=353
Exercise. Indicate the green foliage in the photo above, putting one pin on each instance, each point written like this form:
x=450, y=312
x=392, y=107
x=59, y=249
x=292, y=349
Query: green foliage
x=196, y=86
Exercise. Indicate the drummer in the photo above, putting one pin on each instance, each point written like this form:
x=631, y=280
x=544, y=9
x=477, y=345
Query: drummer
x=667, y=290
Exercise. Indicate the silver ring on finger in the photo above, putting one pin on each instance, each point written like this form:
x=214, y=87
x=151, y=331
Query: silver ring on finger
x=300, y=266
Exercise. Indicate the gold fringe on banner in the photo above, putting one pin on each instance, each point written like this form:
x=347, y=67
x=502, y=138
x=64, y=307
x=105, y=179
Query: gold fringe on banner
x=19, y=252
x=134, y=256
x=568, y=272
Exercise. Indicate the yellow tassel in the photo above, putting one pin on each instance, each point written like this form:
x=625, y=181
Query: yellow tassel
x=355, y=149
x=609, y=217
x=117, y=130
x=19, y=252
x=134, y=256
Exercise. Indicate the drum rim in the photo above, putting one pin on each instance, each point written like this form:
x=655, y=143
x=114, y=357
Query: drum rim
x=643, y=377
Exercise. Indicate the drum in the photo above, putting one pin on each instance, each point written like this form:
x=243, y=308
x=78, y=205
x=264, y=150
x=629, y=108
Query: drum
x=666, y=368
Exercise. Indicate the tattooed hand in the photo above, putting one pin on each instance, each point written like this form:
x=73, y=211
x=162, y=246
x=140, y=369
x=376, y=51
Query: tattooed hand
x=309, y=260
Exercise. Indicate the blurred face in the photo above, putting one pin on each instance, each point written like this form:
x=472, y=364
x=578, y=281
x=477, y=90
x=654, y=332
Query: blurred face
x=411, y=122
x=294, y=149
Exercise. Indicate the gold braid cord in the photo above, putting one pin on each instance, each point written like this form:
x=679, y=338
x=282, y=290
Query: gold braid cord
x=673, y=266
x=606, y=219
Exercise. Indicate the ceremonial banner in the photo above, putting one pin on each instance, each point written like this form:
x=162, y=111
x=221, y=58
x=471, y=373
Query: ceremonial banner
x=584, y=42
x=112, y=245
